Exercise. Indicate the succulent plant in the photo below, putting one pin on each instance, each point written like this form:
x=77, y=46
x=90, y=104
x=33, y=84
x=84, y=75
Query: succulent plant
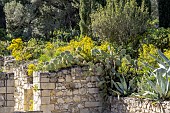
x=159, y=78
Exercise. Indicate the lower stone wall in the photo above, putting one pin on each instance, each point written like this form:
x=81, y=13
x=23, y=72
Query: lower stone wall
x=134, y=105
x=70, y=90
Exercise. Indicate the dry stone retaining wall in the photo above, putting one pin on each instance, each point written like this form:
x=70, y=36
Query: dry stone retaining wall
x=70, y=90
x=134, y=105
x=7, y=93
x=67, y=91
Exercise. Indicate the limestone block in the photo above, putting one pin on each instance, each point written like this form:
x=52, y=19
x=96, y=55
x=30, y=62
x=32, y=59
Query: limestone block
x=10, y=96
x=80, y=106
x=68, y=78
x=47, y=85
x=10, y=83
x=6, y=109
x=45, y=100
x=76, y=91
x=68, y=100
x=2, y=83
x=44, y=75
x=65, y=106
x=44, y=79
x=46, y=93
x=77, y=85
x=60, y=93
x=89, y=85
x=93, y=104
x=60, y=100
x=47, y=108
x=10, y=103
x=60, y=80
x=9, y=90
x=76, y=98
x=84, y=110
x=94, y=79
x=93, y=90
x=69, y=92
x=82, y=91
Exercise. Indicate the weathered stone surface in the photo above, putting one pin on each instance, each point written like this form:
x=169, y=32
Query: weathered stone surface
x=48, y=86
x=45, y=80
x=46, y=93
x=10, y=103
x=9, y=90
x=69, y=78
x=45, y=100
x=47, y=108
x=60, y=100
x=93, y=90
x=6, y=109
x=93, y=104
x=84, y=111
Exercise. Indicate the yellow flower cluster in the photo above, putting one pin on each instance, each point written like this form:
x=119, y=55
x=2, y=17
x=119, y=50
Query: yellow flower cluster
x=144, y=56
x=145, y=51
x=104, y=46
x=31, y=68
x=86, y=45
x=18, y=49
x=167, y=53
x=126, y=67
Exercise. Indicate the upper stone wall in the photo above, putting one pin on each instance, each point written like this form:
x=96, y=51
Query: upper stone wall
x=69, y=90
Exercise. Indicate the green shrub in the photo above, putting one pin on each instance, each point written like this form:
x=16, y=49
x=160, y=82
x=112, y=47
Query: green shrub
x=159, y=37
x=120, y=22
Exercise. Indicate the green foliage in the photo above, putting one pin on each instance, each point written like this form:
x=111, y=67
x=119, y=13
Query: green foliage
x=159, y=37
x=123, y=87
x=3, y=48
x=144, y=57
x=120, y=22
x=158, y=79
x=65, y=36
x=85, y=10
x=111, y=61
x=37, y=18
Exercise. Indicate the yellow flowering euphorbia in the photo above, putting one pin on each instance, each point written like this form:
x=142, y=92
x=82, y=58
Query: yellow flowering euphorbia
x=167, y=53
x=31, y=68
x=104, y=46
x=144, y=56
x=86, y=45
x=19, y=51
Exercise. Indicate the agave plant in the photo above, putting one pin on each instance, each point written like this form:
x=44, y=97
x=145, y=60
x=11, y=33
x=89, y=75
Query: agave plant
x=159, y=78
x=123, y=87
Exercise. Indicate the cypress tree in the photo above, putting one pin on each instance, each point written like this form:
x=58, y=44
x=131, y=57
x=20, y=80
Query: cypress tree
x=2, y=17
x=84, y=12
x=164, y=13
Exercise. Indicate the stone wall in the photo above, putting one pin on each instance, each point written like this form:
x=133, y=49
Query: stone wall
x=21, y=85
x=134, y=105
x=6, y=92
x=70, y=90
x=67, y=91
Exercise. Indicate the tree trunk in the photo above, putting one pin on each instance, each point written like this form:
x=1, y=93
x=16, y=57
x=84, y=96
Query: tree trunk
x=164, y=13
